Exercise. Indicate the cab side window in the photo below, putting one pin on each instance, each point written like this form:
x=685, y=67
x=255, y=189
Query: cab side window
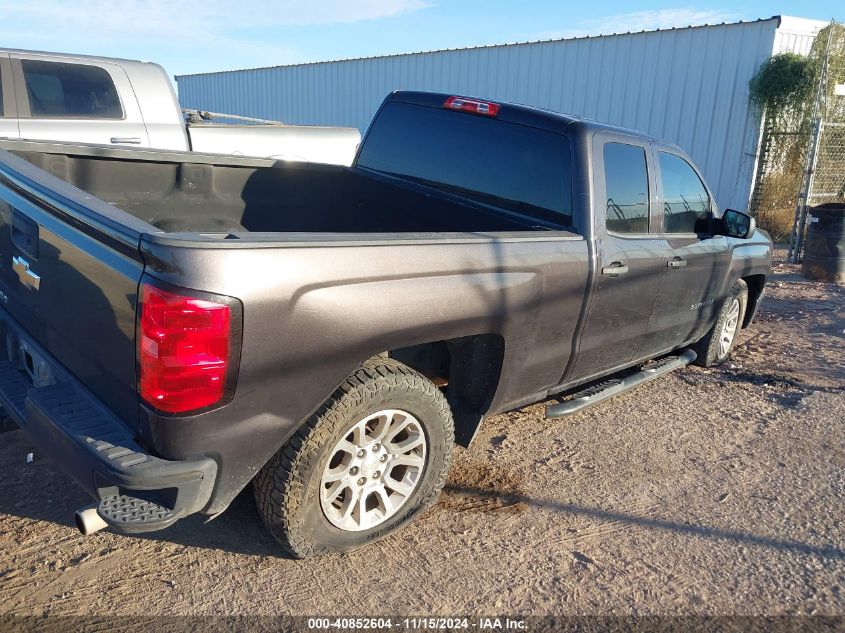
x=686, y=204
x=626, y=186
x=59, y=90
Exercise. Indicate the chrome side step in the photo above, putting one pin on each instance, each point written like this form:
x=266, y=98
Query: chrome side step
x=609, y=388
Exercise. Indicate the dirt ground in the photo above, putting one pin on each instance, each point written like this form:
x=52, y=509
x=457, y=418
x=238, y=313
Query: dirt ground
x=716, y=491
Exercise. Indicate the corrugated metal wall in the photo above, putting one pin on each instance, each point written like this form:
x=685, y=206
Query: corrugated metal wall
x=689, y=86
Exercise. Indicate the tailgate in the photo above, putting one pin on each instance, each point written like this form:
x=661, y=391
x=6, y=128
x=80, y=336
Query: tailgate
x=69, y=272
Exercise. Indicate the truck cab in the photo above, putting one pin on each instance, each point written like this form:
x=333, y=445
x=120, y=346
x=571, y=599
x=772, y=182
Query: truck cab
x=126, y=103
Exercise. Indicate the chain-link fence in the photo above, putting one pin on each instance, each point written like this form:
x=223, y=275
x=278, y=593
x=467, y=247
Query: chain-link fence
x=778, y=178
x=829, y=176
x=823, y=176
x=801, y=158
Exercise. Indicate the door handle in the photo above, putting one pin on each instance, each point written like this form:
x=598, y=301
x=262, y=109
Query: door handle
x=24, y=233
x=678, y=262
x=615, y=269
x=130, y=140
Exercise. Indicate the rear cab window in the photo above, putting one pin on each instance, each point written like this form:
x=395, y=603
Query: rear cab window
x=77, y=91
x=514, y=167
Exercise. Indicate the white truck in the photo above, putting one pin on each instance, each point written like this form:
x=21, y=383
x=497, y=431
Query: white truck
x=125, y=103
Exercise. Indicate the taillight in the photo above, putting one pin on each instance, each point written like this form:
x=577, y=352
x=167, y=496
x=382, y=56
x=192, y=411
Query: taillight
x=183, y=350
x=486, y=108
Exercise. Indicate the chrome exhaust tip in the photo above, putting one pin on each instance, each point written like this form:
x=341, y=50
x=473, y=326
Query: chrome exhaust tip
x=88, y=521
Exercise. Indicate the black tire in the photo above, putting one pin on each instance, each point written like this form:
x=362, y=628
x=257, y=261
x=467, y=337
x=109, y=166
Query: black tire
x=708, y=347
x=287, y=488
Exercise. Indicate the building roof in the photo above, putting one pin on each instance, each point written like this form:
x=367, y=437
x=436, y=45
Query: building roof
x=801, y=25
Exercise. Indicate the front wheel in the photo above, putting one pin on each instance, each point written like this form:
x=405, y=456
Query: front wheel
x=715, y=346
x=374, y=455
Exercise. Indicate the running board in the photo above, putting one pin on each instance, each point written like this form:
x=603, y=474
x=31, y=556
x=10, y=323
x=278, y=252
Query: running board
x=604, y=390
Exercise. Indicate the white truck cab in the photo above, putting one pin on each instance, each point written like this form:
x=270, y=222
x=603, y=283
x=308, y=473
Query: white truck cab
x=126, y=103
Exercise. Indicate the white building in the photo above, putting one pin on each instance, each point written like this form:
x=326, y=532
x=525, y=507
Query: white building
x=686, y=85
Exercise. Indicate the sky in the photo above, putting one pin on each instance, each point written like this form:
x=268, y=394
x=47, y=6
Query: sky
x=210, y=35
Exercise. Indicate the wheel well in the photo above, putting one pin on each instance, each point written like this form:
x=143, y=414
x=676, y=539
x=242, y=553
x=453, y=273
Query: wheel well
x=466, y=368
x=756, y=284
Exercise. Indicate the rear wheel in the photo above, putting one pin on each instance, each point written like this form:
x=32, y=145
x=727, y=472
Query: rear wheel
x=715, y=346
x=374, y=456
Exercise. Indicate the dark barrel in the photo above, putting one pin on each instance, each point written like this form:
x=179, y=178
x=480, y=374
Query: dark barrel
x=824, y=248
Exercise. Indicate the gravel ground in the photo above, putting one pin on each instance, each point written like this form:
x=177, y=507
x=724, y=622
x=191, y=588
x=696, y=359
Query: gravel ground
x=717, y=491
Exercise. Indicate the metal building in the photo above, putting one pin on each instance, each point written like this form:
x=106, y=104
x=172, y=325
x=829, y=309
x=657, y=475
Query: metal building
x=686, y=85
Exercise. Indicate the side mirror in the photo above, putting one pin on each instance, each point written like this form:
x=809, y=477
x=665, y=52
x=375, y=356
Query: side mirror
x=737, y=224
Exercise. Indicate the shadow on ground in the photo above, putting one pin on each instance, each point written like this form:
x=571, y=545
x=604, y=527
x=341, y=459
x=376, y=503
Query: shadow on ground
x=240, y=530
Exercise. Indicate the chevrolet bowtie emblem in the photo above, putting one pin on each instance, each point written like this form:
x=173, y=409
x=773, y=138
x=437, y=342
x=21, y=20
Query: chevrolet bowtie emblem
x=27, y=277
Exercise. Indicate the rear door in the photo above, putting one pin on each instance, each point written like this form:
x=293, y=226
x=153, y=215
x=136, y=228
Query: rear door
x=630, y=258
x=70, y=282
x=8, y=111
x=695, y=261
x=75, y=101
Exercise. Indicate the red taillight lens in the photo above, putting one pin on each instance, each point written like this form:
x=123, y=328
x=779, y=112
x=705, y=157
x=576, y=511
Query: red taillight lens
x=183, y=350
x=471, y=105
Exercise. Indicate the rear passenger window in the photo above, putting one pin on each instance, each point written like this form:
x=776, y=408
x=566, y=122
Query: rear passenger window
x=60, y=90
x=626, y=186
x=686, y=204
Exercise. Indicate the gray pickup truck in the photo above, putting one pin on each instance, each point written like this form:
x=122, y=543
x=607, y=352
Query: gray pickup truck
x=179, y=325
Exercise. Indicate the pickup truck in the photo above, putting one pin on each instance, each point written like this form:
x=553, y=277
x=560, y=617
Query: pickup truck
x=180, y=325
x=120, y=102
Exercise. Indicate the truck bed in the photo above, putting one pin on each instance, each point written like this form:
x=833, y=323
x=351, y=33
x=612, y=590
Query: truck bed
x=180, y=192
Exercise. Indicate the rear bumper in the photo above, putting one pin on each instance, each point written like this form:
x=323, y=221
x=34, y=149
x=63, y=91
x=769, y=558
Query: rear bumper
x=136, y=491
